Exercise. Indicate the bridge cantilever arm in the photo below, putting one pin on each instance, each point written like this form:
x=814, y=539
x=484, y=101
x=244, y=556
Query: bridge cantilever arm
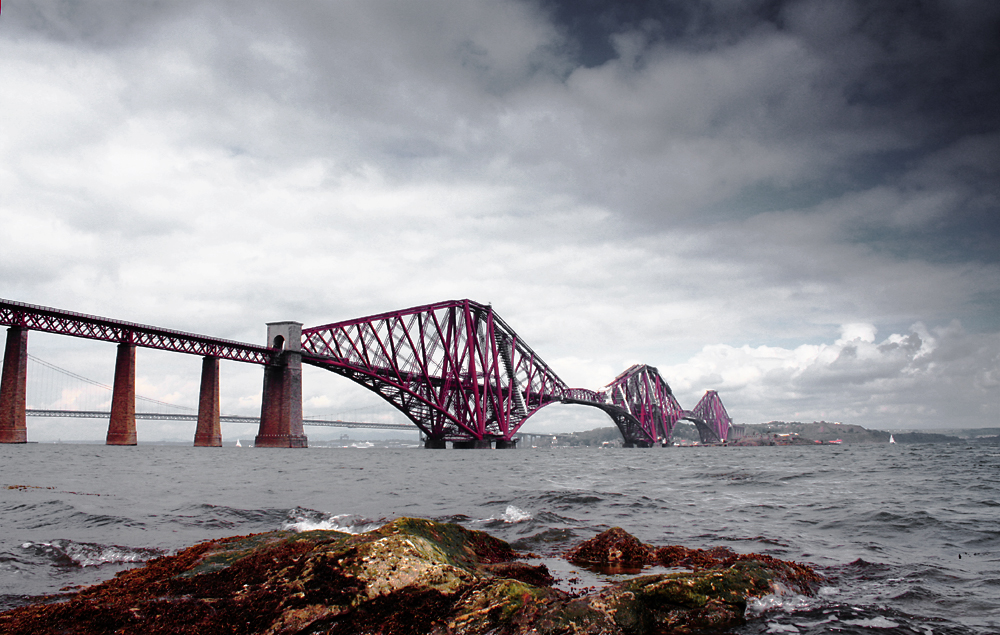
x=338, y=365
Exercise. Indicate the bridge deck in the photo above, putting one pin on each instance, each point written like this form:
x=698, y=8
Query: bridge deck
x=49, y=320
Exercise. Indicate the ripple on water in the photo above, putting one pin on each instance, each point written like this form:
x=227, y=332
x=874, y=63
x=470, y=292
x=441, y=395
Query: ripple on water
x=208, y=516
x=68, y=553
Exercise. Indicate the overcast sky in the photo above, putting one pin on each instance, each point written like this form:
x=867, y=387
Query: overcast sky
x=793, y=203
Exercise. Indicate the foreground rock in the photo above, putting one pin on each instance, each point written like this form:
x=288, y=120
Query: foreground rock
x=616, y=548
x=410, y=576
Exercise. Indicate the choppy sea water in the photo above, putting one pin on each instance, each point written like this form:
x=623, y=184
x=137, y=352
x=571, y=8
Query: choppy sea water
x=908, y=537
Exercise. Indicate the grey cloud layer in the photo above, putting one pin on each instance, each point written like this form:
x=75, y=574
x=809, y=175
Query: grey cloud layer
x=625, y=182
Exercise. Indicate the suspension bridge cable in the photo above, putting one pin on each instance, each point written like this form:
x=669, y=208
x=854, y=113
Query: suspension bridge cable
x=316, y=420
x=100, y=385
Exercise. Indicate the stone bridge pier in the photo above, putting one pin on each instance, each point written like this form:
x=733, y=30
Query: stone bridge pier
x=281, y=405
x=13, y=387
x=209, y=431
x=121, y=427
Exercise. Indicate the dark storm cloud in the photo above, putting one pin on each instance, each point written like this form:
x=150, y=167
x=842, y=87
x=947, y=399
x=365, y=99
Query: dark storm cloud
x=936, y=59
x=922, y=75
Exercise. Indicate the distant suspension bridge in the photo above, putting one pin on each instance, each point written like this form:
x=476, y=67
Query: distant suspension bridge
x=72, y=386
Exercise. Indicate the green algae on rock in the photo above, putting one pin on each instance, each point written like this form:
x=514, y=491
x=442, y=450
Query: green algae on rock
x=409, y=576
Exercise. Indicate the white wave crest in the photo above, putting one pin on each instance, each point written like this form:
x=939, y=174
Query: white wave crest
x=787, y=602
x=511, y=515
x=300, y=520
x=514, y=515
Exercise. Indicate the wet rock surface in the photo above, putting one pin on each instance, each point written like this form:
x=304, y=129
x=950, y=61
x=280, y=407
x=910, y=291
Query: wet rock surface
x=614, y=547
x=410, y=576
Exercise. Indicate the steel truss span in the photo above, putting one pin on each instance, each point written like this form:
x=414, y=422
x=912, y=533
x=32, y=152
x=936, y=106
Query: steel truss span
x=39, y=318
x=460, y=373
x=711, y=418
x=456, y=369
x=643, y=393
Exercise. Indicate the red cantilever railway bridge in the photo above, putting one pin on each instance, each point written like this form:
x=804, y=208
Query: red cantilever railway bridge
x=455, y=368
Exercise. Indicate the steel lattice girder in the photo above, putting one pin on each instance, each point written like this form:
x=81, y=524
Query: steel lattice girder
x=643, y=393
x=455, y=368
x=713, y=413
x=38, y=318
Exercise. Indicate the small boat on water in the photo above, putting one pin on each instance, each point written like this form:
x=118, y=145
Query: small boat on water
x=891, y=440
x=238, y=443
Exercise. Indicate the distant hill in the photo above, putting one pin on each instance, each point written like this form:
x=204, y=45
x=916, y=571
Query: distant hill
x=969, y=433
x=850, y=433
x=819, y=431
x=593, y=438
x=815, y=431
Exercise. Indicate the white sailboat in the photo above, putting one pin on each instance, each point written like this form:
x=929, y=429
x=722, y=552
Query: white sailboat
x=238, y=443
x=891, y=440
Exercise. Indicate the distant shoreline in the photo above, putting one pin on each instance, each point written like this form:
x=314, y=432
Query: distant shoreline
x=685, y=434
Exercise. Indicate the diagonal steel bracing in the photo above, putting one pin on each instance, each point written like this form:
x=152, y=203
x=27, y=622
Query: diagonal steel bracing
x=643, y=393
x=456, y=369
x=715, y=421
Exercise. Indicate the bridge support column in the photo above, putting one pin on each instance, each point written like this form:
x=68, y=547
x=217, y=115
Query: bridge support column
x=14, y=387
x=435, y=444
x=121, y=428
x=503, y=444
x=209, y=432
x=474, y=444
x=281, y=406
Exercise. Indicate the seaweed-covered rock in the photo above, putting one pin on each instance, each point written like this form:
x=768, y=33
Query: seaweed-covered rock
x=410, y=576
x=616, y=547
x=612, y=547
x=677, y=556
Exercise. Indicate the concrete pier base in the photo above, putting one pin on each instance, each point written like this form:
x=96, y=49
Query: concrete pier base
x=121, y=427
x=14, y=387
x=506, y=445
x=475, y=444
x=281, y=406
x=209, y=431
x=435, y=444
